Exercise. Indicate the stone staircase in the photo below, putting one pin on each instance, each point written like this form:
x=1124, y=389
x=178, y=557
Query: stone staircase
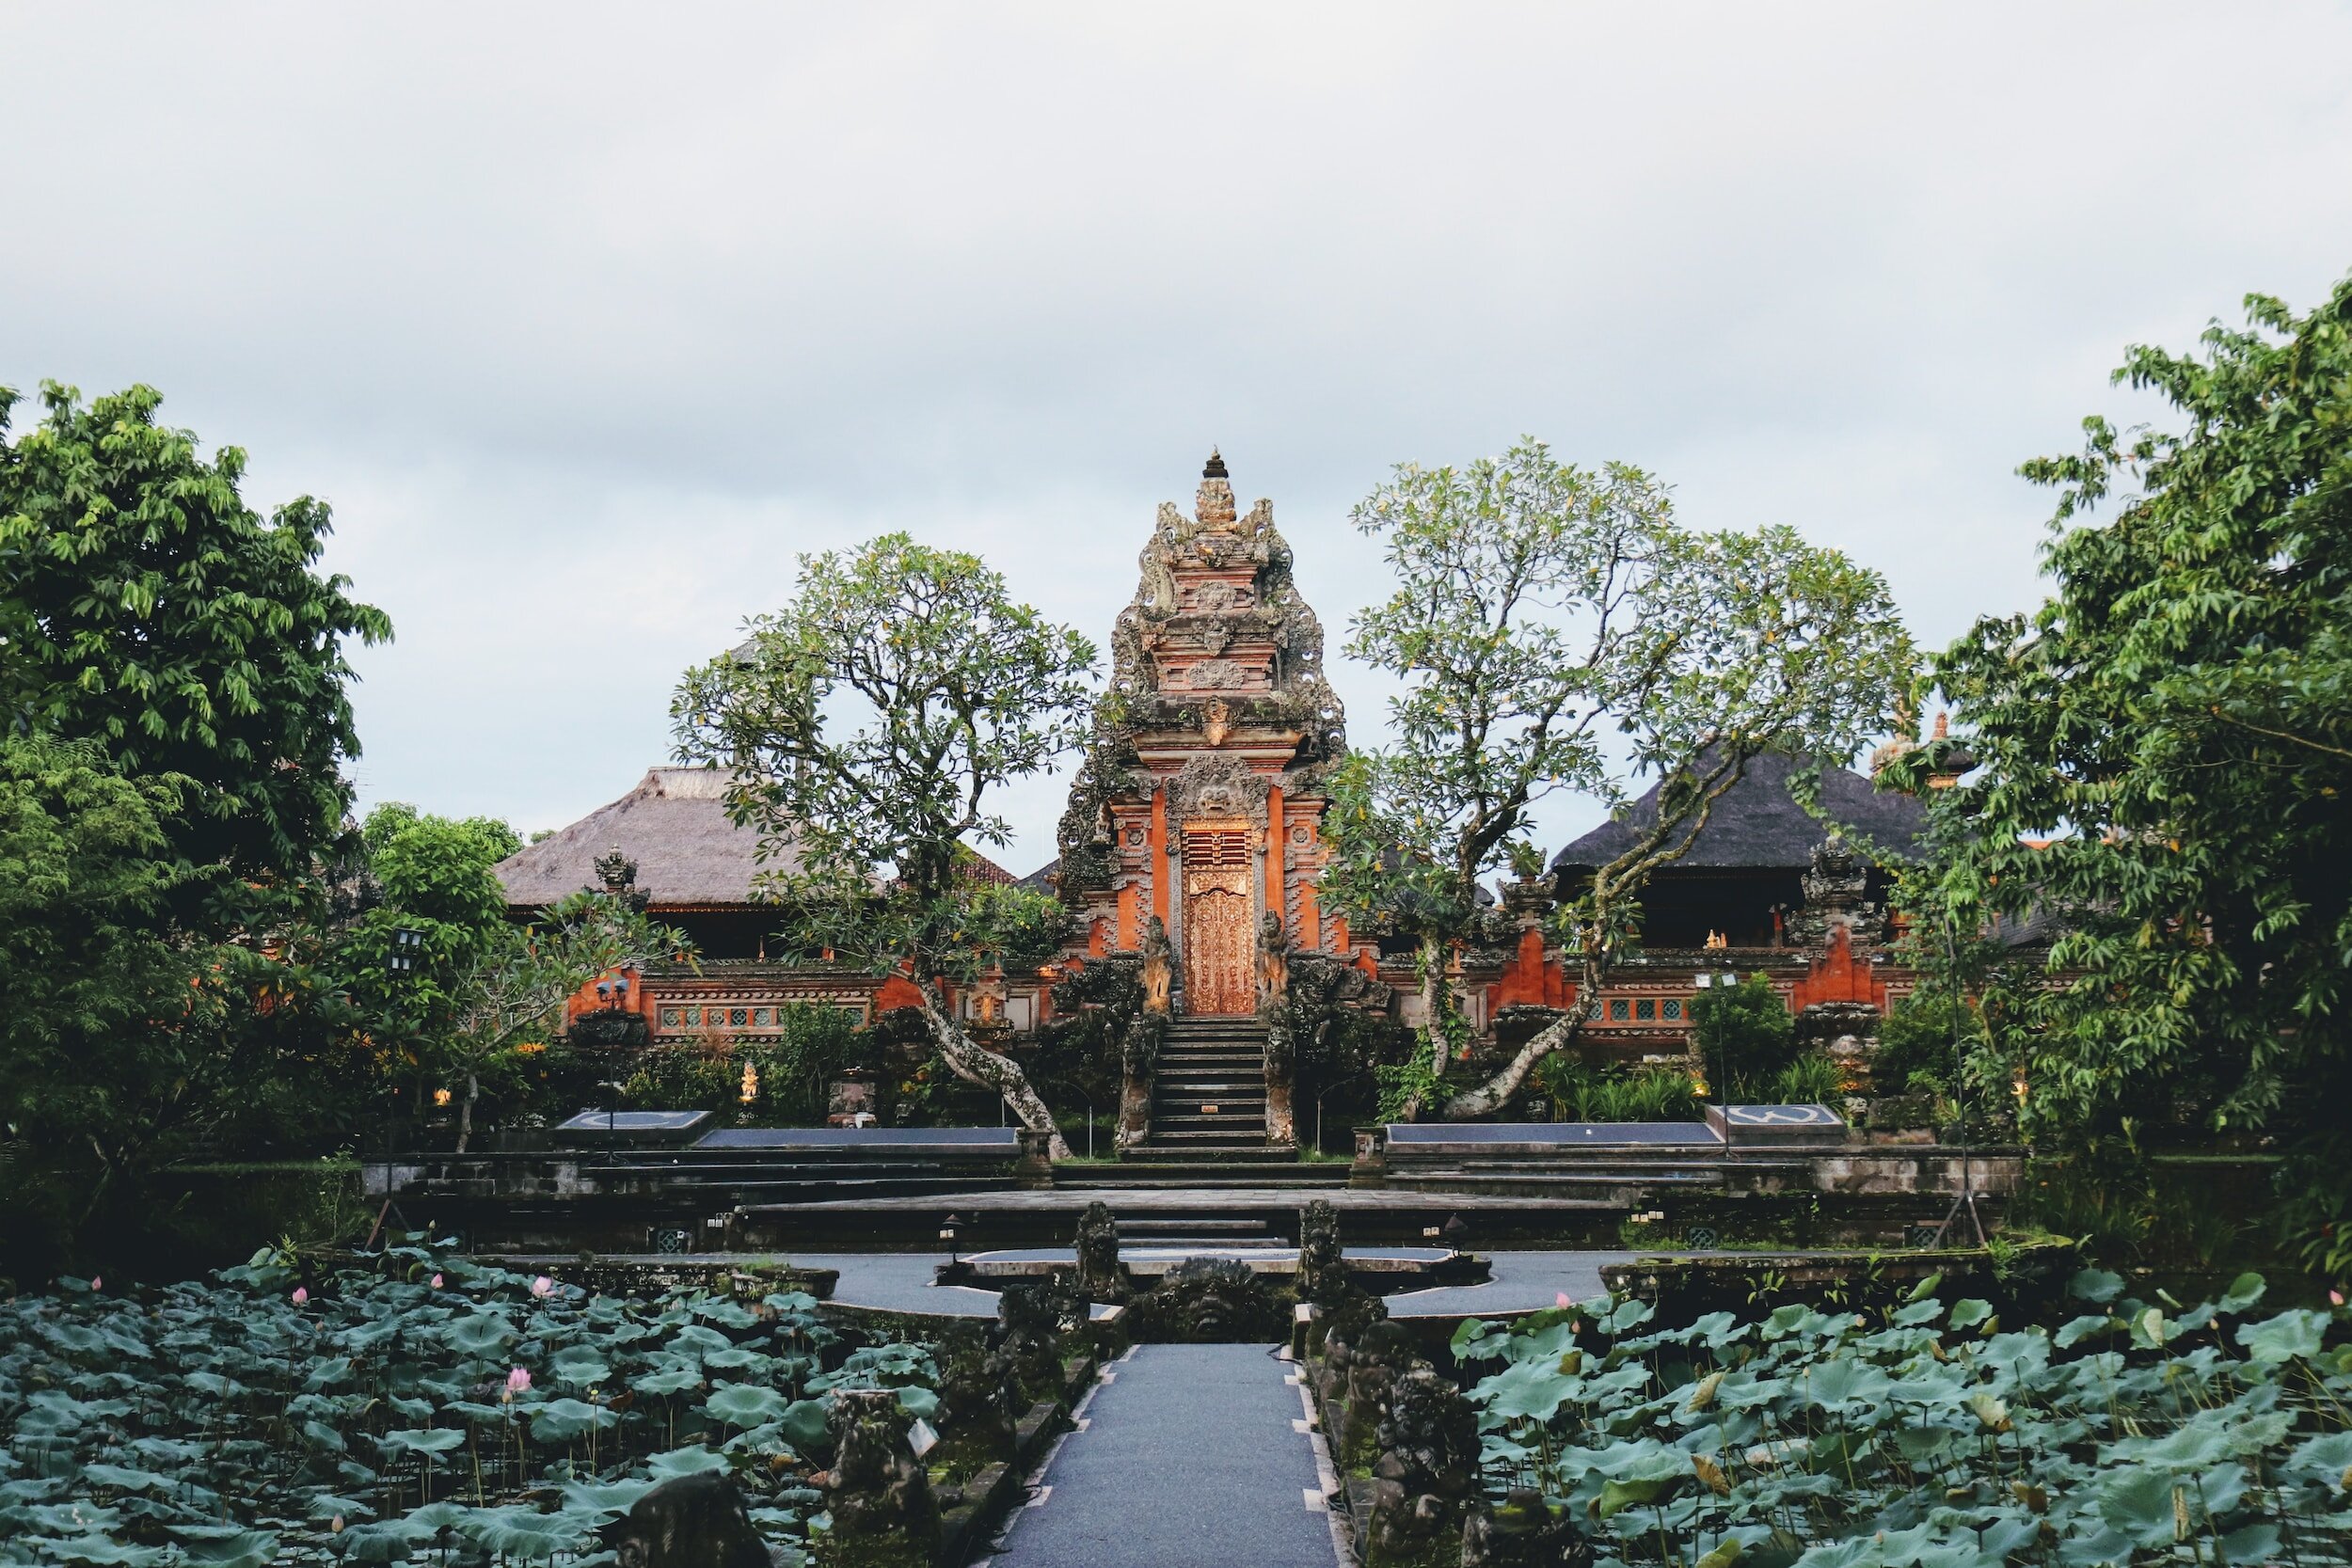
x=1208, y=1093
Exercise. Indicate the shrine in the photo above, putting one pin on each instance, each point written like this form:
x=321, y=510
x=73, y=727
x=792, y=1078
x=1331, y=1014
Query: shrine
x=1199, y=804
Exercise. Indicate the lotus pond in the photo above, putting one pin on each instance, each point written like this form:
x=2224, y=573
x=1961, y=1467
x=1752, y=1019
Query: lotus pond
x=427, y=1407
x=1927, y=1434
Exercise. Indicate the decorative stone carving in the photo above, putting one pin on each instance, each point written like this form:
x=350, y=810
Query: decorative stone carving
x=1322, y=1262
x=879, y=1488
x=1836, y=889
x=1427, y=1468
x=1101, y=1275
x=1217, y=785
x=1217, y=720
x=1158, y=974
x=693, y=1522
x=616, y=874
x=1207, y=1301
x=1277, y=1015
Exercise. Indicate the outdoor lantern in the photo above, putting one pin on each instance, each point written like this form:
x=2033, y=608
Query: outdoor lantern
x=948, y=1234
x=440, y=1096
x=620, y=984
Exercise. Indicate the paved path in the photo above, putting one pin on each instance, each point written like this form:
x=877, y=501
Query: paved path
x=1191, y=1456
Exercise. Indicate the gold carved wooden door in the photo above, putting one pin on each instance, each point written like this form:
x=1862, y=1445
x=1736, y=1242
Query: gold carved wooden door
x=1220, y=976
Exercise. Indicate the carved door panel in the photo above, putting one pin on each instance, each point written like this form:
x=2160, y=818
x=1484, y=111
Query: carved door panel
x=1218, y=953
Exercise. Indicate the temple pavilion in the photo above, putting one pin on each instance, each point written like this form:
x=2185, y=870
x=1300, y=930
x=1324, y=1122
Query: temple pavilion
x=1197, y=813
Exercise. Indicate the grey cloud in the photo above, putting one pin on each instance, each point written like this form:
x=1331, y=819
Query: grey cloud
x=588, y=319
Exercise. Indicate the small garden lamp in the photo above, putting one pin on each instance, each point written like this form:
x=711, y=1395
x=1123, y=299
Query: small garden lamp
x=948, y=1234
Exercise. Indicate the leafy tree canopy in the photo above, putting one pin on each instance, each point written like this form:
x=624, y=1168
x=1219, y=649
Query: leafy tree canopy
x=146, y=607
x=1556, y=629
x=867, y=727
x=2173, y=729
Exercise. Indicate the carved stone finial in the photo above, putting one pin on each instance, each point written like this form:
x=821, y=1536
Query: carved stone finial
x=617, y=874
x=1214, y=506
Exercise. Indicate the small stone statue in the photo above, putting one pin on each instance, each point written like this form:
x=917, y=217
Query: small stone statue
x=1208, y=1301
x=1428, y=1468
x=1274, y=962
x=879, y=1487
x=1322, y=1264
x=1100, y=1278
x=1157, y=974
x=693, y=1522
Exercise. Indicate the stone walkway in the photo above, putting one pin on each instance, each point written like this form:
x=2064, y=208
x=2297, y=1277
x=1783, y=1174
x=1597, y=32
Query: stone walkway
x=1186, y=1456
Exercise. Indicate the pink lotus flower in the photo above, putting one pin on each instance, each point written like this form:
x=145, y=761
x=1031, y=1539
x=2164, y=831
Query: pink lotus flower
x=302, y=1294
x=1562, y=1300
x=96, y=1283
x=2335, y=1298
x=542, y=1287
x=518, y=1381
x=436, y=1281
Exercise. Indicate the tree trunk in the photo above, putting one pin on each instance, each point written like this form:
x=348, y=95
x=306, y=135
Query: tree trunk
x=974, y=1065
x=1496, y=1092
x=465, y=1112
x=1432, y=999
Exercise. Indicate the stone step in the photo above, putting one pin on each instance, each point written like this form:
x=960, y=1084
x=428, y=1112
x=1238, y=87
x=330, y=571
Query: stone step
x=1263, y=1154
x=1190, y=1226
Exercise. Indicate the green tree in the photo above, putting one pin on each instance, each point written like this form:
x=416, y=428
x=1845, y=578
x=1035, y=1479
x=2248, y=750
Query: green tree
x=2164, y=752
x=145, y=608
x=126, y=1041
x=1745, y=1035
x=867, y=726
x=1556, y=629
x=509, y=996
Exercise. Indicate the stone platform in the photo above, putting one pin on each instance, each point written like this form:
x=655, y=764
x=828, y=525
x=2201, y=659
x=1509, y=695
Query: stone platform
x=1382, y=1271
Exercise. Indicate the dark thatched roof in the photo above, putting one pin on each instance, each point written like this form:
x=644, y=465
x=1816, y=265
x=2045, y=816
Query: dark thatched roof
x=1044, y=879
x=674, y=825
x=1759, y=825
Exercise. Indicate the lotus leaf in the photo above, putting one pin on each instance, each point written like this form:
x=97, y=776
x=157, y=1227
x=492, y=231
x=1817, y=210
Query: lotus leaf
x=744, y=1404
x=97, y=1550
x=2289, y=1336
x=226, y=1546
x=561, y=1420
x=693, y=1461
x=429, y=1441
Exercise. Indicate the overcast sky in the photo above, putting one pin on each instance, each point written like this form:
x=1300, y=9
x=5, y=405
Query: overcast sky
x=587, y=320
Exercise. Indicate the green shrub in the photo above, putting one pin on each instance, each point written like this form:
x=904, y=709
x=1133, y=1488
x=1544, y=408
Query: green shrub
x=1586, y=1093
x=1812, y=1079
x=1744, y=1034
x=1917, y=1053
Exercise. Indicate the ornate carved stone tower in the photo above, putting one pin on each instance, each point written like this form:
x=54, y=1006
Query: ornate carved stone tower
x=1199, y=803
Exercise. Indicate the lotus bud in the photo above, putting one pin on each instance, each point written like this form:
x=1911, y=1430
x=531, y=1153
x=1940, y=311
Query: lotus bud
x=301, y=1294
x=1562, y=1300
x=436, y=1281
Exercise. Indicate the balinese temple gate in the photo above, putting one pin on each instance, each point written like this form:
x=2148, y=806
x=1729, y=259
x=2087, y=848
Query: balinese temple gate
x=1199, y=802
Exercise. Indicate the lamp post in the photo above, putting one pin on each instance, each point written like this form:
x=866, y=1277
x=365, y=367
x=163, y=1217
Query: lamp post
x=400, y=964
x=948, y=1234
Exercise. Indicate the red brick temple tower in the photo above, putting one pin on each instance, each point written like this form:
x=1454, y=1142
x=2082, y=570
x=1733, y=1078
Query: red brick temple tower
x=1199, y=802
